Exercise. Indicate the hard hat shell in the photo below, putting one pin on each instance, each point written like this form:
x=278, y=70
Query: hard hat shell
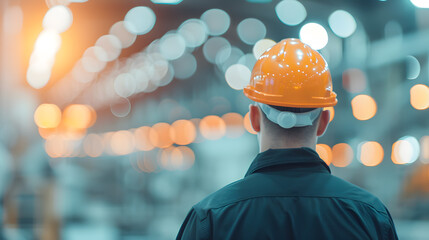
x=291, y=74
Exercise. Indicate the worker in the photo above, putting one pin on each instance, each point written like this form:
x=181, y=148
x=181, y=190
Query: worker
x=288, y=191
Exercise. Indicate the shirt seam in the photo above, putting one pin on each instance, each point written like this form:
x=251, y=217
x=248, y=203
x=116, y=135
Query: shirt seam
x=354, y=200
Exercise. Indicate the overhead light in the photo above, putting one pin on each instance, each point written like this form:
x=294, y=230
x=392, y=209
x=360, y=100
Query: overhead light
x=420, y=3
x=170, y=2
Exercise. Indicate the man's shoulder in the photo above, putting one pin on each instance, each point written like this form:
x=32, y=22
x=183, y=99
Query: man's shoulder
x=325, y=186
x=347, y=191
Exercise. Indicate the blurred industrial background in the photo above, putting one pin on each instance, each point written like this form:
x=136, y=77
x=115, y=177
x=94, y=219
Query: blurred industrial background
x=118, y=115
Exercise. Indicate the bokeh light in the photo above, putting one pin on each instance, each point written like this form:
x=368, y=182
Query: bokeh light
x=217, y=21
x=354, y=80
x=237, y=76
x=177, y=158
x=125, y=85
x=342, y=23
x=47, y=116
x=93, y=145
x=194, y=31
x=342, y=155
x=234, y=124
x=413, y=67
x=185, y=66
x=159, y=135
x=213, y=46
x=91, y=59
x=251, y=30
x=78, y=116
x=140, y=20
x=212, y=127
x=291, y=12
x=141, y=136
x=247, y=124
x=261, y=46
x=420, y=3
x=371, y=153
x=120, y=31
x=183, y=132
x=419, y=96
x=364, y=107
x=169, y=2
x=325, y=152
x=424, y=146
x=314, y=35
x=122, y=142
x=109, y=48
x=172, y=46
x=58, y=18
x=406, y=150
x=55, y=147
x=121, y=108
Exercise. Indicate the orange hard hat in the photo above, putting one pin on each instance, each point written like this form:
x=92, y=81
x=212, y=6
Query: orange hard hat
x=291, y=74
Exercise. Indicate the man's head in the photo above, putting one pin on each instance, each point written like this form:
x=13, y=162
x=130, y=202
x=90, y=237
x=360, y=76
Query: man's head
x=272, y=135
x=290, y=84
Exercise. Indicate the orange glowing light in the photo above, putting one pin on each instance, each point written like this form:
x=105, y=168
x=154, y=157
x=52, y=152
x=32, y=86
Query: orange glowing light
x=234, y=124
x=331, y=113
x=176, y=158
x=342, y=155
x=78, y=116
x=183, y=132
x=55, y=147
x=248, y=125
x=142, y=139
x=159, y=135
x=93, y=145
x=212, y=127
x=419, y=96
x=47, y=116
x=48, y=132
x=325, y=153
x=371, y=154
x=122, y=142
x=364, y=107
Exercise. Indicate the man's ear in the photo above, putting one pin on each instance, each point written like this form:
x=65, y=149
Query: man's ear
x=323, y=122
x=255, y=117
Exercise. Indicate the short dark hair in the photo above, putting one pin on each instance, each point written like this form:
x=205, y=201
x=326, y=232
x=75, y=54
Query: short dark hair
x=291, y=109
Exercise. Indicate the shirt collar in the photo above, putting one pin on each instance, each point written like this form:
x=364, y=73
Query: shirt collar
x=288, y=156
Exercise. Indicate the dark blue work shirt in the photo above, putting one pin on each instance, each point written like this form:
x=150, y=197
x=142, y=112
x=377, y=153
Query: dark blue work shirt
x=289, y=194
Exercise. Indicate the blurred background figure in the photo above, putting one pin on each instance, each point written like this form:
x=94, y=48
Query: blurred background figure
x=118, y=116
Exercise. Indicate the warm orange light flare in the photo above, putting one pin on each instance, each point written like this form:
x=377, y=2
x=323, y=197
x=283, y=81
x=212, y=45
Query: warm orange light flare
x=79, y=116
x=419, y=96
x=325, y=153
x=143, y=142
x=371, y=154
x=234, y=124
x=93, y=145
x=183, y=132
x=212, y=127
x=364, y=107
x=122, y=142
x=47, y=116
x=342, y=155
x=248, y=125
x=159, y=135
